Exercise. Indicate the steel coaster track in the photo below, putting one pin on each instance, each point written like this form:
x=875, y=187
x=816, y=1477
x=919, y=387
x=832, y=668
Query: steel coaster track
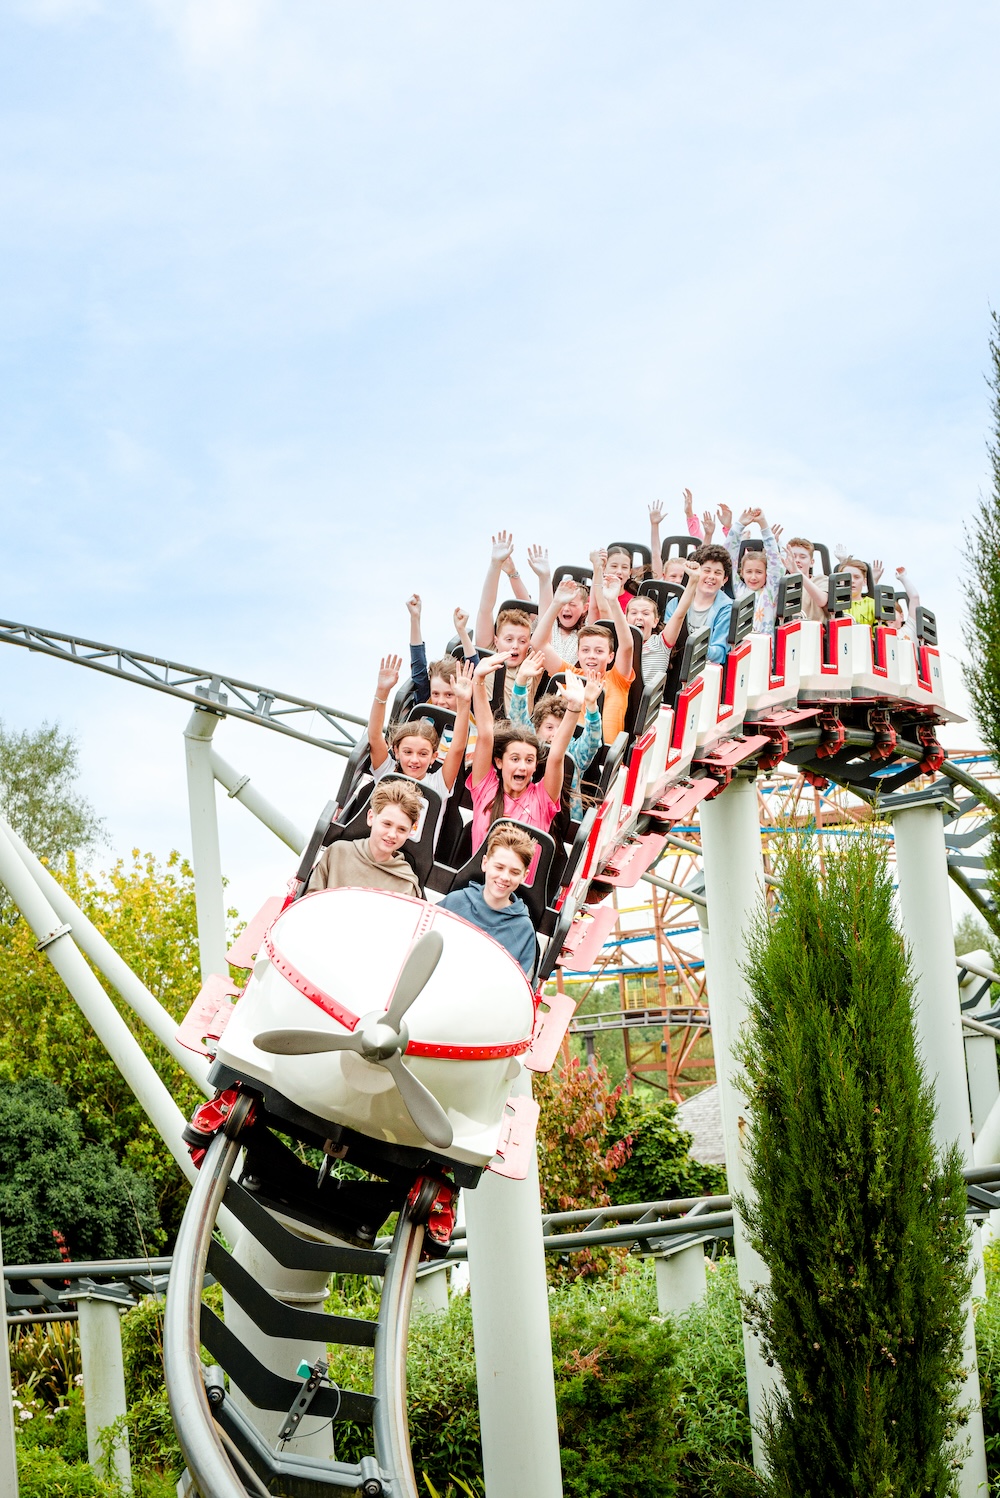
x=226, y=1456
x=212, y=690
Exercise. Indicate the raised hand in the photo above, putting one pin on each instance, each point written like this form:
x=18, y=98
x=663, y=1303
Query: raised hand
x=460, y=619
x=598, y=560
x=749, y=516
x=463, y=682
x=530, y=668
x=388, y=674
x=573, y=692
x=877, y=569
x=413, y=607
x=538, y=561
x=900, y=571
x=688, y=502
x=566, y=591
x=693, y=570
x=725, y=515
x=656, y=513
x=776, y=531
x=593, y=688
x=503, y=547
x=491, y=663
x=708, y=526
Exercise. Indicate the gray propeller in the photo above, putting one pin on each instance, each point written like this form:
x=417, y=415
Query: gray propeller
x=382, y=1037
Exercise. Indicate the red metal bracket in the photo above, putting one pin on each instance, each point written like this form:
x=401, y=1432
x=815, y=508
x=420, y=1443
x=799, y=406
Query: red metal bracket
x=208, y=1118
x=935, y=755
x=724, y=759
x=885, y=734
x=679, y=801
x=833, y=734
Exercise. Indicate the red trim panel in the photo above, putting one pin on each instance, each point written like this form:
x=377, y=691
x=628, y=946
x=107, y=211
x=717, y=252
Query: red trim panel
x=301, y=982
x=468, y=1052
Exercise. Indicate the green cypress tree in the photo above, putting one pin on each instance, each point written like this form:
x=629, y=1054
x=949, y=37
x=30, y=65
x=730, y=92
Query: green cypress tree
x=861, y=1223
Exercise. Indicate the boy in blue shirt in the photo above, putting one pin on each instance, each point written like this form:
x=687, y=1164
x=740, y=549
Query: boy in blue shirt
x=494, y=906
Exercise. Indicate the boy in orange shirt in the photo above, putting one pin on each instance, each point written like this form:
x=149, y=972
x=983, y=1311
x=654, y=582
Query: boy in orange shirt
x=596, y=652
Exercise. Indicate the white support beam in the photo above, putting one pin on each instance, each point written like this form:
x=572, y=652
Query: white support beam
x=510, y=1323
x=205, y=857
x=8, y=1450
x=925, y=911
x=239, y=788
x=734, y=889
x=104, y=1386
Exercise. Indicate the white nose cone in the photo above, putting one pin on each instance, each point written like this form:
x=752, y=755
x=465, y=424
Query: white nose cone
x=336, y=956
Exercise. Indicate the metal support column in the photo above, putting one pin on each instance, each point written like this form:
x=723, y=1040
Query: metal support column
x=205, y=858
x=734, y=890
x=240, y=789
x=510, y=1322
x=925, y=910
x=104, y=1384
x=8, y=1451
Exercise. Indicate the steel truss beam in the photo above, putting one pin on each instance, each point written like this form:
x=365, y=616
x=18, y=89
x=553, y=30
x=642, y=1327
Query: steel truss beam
x=222, y=694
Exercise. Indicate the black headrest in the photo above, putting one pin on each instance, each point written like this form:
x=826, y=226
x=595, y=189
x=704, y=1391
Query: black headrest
x=926, y=626
x=695, y=655
x=641, y=555
x=681, y=546
x=838, y=592
x=740, y=620
x=788, y=604
x=884, y=598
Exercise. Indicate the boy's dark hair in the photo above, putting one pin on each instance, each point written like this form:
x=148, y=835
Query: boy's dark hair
x=445, y=668
x=512, y=616
x=549, y=706
x=715, y=553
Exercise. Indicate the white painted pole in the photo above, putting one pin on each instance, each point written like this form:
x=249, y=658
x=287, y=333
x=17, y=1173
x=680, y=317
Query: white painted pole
x=8, y=1450
x=240, y=789
x=115, y=968
x=109, y=1027
x=734, y=890
x=104, y=1384
x=205, y=858
x=925, y=911
x=510, y=1323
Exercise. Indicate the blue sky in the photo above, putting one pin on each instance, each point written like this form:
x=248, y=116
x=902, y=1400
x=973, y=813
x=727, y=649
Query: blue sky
x=301, y=302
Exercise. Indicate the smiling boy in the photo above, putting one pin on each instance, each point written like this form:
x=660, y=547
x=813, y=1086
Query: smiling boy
x=494, y=906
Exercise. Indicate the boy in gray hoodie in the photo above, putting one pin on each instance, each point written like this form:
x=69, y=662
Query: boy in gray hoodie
x=493, y=906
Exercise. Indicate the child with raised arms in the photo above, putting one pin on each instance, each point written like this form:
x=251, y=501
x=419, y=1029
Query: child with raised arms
x=501, y=781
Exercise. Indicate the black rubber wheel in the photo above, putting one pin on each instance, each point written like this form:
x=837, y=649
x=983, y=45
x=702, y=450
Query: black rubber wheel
x=238, y=1115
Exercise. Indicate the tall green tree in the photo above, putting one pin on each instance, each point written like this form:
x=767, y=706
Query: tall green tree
x=860, y=1221
x=38, y=794
x=981, y=668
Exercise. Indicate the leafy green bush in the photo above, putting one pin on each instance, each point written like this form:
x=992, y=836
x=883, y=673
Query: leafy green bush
x=988, y=1349
x=713, y=1413
x=616, y=1391
x=45, y=1359
x=51, y=1181
x=660, y=1164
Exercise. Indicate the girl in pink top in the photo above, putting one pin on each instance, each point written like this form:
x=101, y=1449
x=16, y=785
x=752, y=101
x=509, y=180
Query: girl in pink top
x=506, y=757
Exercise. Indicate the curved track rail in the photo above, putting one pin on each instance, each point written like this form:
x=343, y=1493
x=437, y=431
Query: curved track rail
x=226, y=1455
